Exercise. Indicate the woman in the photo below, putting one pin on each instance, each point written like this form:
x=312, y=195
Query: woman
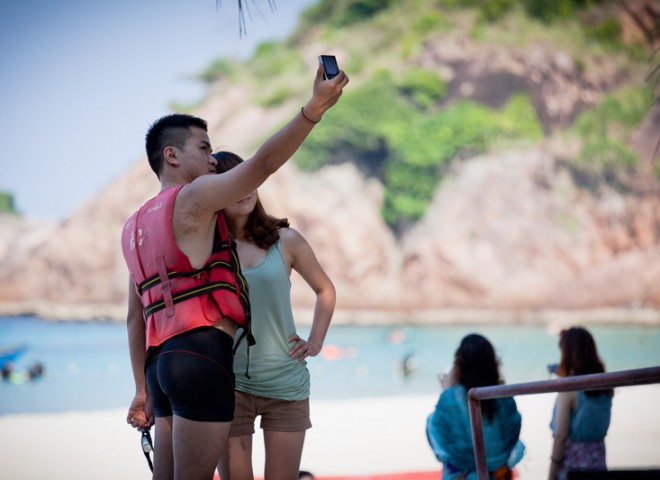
x=580, y=419
x=448, y=427
x=272, y=380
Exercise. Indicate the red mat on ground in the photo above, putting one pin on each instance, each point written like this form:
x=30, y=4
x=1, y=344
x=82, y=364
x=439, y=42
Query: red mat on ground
x=435, y=475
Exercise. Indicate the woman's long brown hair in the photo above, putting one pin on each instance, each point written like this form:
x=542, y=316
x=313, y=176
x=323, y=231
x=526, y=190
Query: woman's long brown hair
x=579, y=356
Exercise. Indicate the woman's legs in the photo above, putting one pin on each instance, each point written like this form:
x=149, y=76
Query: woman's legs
x=283, y=454
x=236, y=460
x=284, y=424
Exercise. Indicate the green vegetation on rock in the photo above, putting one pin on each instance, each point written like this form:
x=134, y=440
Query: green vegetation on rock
x=606, y=131
x=7, y=203
x=381, y=127
x=397, y=121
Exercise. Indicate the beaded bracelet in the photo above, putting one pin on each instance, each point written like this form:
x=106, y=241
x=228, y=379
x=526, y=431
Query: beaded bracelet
x=302, y=112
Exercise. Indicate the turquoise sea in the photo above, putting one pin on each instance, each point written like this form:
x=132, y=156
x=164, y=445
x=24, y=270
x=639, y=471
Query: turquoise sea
x=87, y=366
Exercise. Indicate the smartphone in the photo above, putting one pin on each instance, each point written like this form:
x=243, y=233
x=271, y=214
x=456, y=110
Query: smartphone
x=330, y=65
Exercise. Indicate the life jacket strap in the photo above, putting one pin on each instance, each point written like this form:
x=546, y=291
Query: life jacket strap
x=188, y=294
x=157, y=279
x=166, y=286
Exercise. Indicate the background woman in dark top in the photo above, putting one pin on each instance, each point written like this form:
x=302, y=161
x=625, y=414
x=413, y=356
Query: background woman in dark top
x=580, y=419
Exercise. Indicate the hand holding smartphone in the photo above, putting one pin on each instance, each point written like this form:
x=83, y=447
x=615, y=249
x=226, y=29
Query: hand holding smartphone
x=330, y=66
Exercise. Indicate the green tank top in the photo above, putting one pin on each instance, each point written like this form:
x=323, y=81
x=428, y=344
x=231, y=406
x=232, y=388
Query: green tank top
x=273, y=373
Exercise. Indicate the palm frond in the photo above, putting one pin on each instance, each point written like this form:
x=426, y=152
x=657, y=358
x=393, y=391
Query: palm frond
x=244, y=7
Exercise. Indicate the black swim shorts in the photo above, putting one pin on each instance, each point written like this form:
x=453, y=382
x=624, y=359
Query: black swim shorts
x=191, y=376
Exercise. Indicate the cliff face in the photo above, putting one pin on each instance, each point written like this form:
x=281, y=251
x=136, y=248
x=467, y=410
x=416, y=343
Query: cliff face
x=510, y=230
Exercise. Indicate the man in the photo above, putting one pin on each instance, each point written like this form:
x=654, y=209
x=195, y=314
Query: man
x=186, y=295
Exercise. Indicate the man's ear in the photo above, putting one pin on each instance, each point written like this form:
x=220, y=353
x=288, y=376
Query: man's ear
x=171, y=155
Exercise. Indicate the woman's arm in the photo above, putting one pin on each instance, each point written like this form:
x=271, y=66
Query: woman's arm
x=300, y=257
x=448, y=379
x=565, y=404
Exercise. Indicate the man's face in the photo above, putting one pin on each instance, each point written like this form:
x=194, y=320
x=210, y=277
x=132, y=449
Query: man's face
x=196, y=158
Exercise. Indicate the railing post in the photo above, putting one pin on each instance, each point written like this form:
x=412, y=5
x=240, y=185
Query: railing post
x=594, y=381
x=477, y=424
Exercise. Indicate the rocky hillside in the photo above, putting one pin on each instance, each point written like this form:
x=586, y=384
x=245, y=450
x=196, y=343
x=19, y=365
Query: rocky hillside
x=515, y=228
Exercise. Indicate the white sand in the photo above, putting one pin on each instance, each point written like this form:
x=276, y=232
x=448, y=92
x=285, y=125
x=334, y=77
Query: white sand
x=349, y=437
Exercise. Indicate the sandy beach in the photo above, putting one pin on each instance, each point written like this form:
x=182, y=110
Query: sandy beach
x=359, y=437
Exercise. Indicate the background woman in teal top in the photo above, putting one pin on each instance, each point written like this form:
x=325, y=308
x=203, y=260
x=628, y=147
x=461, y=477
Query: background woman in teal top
x=448, y=427
x=580, y=419
x=272, y=380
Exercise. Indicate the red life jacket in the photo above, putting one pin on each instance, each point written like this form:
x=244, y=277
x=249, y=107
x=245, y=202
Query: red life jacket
x=177, y=297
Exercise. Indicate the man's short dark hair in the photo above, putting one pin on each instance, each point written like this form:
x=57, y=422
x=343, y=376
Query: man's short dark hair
x=170, y=130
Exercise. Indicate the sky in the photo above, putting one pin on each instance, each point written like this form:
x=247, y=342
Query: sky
x=82, y=80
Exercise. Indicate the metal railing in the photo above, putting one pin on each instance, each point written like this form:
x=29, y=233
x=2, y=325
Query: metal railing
x=623, y=378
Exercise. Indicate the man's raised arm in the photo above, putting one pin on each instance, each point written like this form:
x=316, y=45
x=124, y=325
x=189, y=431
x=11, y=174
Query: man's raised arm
x=219, y=191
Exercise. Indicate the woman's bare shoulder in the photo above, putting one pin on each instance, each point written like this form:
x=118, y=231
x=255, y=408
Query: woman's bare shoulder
x=290, y=236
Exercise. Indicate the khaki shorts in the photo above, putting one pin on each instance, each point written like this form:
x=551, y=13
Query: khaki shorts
x=276, y=415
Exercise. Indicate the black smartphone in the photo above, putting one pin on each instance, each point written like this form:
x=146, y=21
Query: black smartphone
x=330, y=65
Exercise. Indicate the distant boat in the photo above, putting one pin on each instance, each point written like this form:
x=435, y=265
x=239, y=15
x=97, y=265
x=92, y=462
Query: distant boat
x=9, y=353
